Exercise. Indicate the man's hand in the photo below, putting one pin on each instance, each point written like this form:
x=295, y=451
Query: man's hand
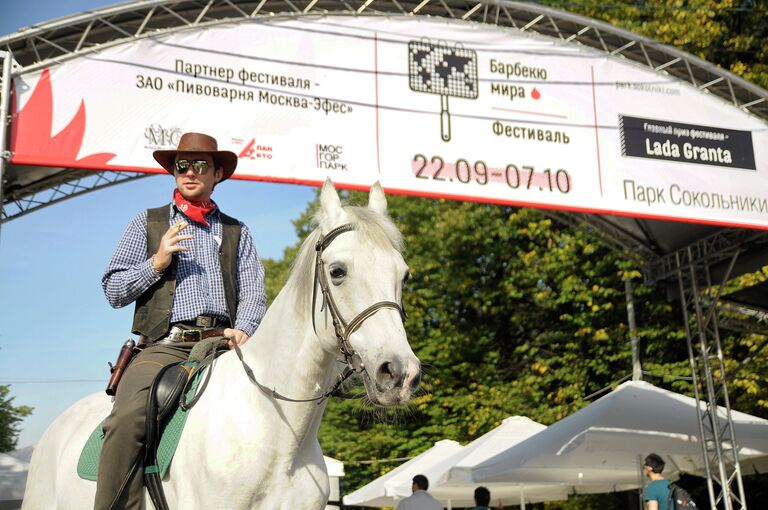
x=169, y=244
x=235, y=335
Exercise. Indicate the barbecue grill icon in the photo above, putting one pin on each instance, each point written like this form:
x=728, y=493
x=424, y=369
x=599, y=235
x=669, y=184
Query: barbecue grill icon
x=440, y=69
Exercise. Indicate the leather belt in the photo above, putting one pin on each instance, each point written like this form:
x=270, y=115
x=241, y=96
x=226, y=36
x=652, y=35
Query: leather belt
x=195, y=335
x=178, y=335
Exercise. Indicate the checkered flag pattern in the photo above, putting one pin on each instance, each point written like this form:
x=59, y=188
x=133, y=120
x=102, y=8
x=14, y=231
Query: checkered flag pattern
x=437, y=69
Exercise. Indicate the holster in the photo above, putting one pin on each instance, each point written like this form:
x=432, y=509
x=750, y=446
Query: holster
x=127, y=351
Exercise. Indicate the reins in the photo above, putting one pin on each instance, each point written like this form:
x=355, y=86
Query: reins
x=343, y=376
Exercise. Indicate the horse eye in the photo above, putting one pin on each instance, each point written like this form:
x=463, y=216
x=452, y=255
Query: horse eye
x=337, y=274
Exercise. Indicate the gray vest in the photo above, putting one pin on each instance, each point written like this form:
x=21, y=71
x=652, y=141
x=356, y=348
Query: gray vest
x=152, y=317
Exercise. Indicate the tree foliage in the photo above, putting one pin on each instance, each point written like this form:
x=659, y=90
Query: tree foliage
x=512, y=314
x=730, y=33
x=10, y=417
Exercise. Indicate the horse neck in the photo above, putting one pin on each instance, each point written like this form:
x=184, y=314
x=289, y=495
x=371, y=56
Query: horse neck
x=286, y=339
x=286, y=356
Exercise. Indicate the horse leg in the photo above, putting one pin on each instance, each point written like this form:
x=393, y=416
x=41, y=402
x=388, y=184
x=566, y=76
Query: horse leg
x=310, y=479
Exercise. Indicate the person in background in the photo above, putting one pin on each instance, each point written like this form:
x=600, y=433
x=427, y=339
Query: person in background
x=482, y=498
x=656, y=493
x=420, y=499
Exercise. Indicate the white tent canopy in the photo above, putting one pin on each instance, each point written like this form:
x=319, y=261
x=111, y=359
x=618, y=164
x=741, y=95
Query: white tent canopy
x=380, y=493
x=449, y=480
x=13, y=479
x=605, y=442
x=335, y=467
x=448, y=467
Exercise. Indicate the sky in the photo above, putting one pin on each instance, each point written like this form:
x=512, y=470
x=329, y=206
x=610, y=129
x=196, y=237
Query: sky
x=57, y=331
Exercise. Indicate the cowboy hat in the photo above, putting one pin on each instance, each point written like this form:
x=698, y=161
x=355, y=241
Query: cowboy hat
x=198, y=142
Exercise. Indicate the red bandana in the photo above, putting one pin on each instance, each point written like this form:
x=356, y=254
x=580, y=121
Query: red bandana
x=195, y=211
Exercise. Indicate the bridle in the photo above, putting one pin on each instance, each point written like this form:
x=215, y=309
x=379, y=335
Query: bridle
x=342, y=328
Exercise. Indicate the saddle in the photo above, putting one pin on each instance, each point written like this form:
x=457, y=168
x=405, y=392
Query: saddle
x=168, y=425
x=164, y=397
x=166, y=393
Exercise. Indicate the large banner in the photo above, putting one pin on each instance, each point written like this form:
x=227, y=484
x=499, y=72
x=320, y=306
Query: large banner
x=428, y=107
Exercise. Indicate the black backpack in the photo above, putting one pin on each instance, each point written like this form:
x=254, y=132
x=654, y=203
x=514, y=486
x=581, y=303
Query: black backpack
x=679, y=499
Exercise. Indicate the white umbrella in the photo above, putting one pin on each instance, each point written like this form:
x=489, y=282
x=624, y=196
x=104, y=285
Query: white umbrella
x=379, y=492
x=13, y=480
x=335, y=470
x=450, y=481
x=605, y=442
x=448, y=469
x=334, y=467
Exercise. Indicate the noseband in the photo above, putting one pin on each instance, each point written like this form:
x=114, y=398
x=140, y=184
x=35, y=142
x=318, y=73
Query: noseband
x=342, y=328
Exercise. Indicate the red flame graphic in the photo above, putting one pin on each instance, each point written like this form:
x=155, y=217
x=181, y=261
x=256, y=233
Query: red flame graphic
x=535, y=93
x=31, y=140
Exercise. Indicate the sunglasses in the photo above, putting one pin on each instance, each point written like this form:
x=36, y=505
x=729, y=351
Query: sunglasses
x=199, y=166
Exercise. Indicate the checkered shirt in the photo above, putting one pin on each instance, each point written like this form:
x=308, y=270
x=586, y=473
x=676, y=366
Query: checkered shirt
x=199, y=285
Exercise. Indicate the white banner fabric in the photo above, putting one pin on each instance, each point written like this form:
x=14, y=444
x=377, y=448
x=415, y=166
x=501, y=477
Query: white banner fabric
x=428, y=107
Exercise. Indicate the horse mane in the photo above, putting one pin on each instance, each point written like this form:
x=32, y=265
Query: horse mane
x=376, y=227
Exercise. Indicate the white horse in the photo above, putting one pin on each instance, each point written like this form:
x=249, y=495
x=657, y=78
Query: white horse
x=242, y=448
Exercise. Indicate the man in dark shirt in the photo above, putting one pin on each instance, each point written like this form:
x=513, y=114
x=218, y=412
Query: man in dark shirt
x=482, y=498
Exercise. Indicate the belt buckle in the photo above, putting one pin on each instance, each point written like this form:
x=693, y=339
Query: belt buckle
x=186, y=334
x=175, y=335
x=204, y=321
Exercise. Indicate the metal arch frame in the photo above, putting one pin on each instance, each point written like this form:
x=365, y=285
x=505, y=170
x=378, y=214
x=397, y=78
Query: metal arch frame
x=708, y=369
x=59, y=187
x=71, y=37
x=711, y=250
x=5, y=88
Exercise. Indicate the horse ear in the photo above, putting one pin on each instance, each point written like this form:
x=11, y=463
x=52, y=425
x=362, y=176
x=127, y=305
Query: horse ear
x=376, y=199
x=329, y=201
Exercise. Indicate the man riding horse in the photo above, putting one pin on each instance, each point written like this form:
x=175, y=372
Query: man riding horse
x=193, y=273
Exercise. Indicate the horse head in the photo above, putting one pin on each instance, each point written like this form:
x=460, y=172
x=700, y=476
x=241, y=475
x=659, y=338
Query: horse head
x=358, y=291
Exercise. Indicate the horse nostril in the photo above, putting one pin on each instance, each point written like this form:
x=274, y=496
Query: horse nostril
x=389, y=375
x=414, y=383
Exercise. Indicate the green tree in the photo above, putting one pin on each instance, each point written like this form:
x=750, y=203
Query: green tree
x=10, y=417
x=514, y=314
x=732, y=34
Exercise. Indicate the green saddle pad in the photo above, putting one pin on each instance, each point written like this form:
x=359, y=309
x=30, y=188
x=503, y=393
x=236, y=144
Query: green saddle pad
x=88, y=465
